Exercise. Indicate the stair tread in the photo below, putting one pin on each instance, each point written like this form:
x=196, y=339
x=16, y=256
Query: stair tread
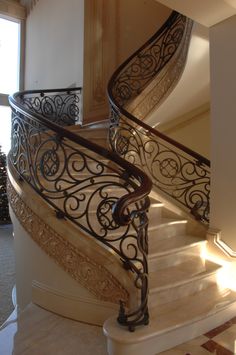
x=181, y=312
x=187, y=271
x=170, y=221
x=165, y=222
x=173, y=244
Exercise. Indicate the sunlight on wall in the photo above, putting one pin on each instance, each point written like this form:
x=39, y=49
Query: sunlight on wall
x=225, y=276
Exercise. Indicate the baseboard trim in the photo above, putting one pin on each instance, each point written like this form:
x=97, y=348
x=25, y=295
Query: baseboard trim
x=214, y=235
x=77, y=308
x=184, y=120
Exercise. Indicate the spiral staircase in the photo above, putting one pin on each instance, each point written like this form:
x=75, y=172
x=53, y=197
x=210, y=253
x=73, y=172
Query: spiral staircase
x=139, y=261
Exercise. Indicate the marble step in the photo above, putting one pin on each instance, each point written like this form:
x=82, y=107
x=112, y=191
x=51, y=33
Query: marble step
x=179, y=281
x=166, y=228
x=173, y=323
x=171, y=245
x=101, y=132
x=173, y=257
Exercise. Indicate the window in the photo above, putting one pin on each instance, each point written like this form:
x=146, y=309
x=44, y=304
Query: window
x=10, y=33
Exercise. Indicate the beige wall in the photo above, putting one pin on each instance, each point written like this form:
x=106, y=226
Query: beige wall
x=113, y=31
x=192, y=130
x=57, y=57
x=33, y=264
x=138, y=20
x=223, y=126
x=54, y=44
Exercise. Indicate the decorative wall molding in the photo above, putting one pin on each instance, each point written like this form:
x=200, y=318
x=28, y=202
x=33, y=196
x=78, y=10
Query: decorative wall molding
x=214, y=235
x=94, y=277
x=13, y=9
x=29, y=5
x=184, y=120
x=100, y=56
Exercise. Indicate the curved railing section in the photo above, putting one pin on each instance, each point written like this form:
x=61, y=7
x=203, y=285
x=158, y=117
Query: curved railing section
x=74, y=176
x=175, y=170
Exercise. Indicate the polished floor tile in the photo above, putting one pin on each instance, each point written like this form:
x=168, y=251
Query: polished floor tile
x=39, y=332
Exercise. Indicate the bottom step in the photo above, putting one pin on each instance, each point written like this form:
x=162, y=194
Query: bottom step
x=173, y=323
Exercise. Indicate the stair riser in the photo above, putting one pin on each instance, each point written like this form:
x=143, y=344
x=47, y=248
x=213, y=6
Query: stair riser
x=174, y=293
x=166, y=231
x=154, y=216
x=161, y=262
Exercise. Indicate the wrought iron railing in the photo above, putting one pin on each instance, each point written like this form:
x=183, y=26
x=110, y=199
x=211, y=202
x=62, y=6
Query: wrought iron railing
x=107, y=201
x=175, y=170
x=59, y=106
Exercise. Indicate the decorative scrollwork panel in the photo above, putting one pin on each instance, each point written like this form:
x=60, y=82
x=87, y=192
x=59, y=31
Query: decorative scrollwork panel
x=62, y=107
x=83, y=186
x=172, y=170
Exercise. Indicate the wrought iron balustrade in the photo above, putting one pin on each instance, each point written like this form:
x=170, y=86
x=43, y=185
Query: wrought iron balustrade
x=108, y=202
x=174, y=169
x=61, y=106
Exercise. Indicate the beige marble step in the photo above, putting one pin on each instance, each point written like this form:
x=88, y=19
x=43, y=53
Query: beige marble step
x=101, y=131
x=174, y=251
x=173, y=323
x=166, y=228
x=171, y=245
x=183, y=280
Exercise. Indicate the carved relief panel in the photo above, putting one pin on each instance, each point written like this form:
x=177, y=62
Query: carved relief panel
x=100, y=56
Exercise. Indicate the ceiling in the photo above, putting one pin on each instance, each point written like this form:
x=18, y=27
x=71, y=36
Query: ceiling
x=205, y=12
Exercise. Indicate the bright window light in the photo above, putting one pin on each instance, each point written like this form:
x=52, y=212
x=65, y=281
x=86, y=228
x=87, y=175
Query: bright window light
x=5, y=132
x=9, y=56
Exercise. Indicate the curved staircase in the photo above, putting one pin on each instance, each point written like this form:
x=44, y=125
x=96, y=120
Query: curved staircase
x=95, y=205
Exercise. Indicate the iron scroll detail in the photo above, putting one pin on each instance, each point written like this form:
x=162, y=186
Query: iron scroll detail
x=175, y=170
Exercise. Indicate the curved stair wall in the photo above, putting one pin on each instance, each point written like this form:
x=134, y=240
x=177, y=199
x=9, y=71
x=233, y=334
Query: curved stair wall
x=57, y=264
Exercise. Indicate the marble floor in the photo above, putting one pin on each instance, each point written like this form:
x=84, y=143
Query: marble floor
x=39, y=332
x=219, y=341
